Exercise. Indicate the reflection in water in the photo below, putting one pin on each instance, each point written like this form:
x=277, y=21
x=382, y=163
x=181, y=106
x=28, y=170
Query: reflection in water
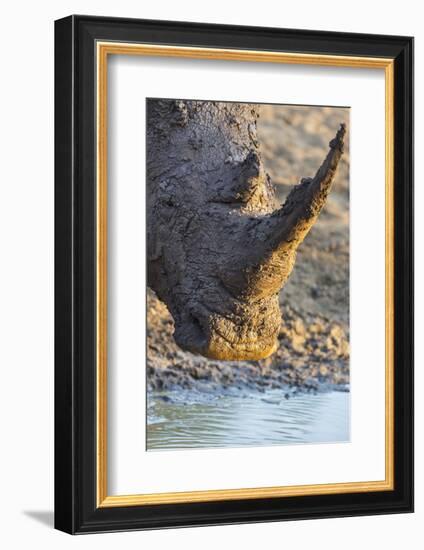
x=190, y=419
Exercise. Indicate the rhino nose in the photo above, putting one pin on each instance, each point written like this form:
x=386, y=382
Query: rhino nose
x=189, y=334
x=202, y=337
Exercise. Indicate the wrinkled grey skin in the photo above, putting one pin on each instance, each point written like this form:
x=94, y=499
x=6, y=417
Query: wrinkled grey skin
x=219, y=249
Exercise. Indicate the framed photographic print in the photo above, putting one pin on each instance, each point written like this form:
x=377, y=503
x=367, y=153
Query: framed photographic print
x=234, y=271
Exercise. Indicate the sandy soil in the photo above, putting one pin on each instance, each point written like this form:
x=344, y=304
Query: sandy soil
x=314, y=337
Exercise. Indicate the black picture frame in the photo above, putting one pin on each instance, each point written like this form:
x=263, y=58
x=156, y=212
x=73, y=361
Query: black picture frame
x=76, y=509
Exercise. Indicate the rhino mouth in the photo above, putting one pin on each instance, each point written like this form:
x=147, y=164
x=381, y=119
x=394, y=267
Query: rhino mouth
x=221, y=338
x=221, y=349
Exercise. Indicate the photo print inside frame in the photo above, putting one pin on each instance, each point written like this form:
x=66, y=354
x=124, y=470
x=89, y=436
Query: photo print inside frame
x=248, y=274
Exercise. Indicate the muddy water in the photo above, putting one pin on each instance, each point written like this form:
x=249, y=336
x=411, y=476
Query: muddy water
x=188, y=419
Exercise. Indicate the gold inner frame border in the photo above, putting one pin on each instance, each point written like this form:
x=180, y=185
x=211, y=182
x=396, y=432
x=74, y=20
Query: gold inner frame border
x=103, y=50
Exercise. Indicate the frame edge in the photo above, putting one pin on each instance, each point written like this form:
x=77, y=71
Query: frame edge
x=64, y=449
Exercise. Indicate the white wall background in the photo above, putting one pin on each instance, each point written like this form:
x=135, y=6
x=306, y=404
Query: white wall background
x=26, y=274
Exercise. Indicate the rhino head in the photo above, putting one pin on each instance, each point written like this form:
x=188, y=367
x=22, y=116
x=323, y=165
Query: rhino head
x=219, y=247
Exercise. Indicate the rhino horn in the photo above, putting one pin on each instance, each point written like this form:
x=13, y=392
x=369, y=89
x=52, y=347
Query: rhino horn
x=277, y=236
x=292, y=222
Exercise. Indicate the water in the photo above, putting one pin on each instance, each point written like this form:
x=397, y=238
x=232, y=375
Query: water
x=189, y=419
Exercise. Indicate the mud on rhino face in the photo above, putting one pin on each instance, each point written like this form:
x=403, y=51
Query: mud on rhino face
x=219, y=249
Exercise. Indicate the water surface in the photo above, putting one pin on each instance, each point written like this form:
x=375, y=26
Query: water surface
x=190, y=419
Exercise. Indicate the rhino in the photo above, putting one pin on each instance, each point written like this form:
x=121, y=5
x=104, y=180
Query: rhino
x=219, y=247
